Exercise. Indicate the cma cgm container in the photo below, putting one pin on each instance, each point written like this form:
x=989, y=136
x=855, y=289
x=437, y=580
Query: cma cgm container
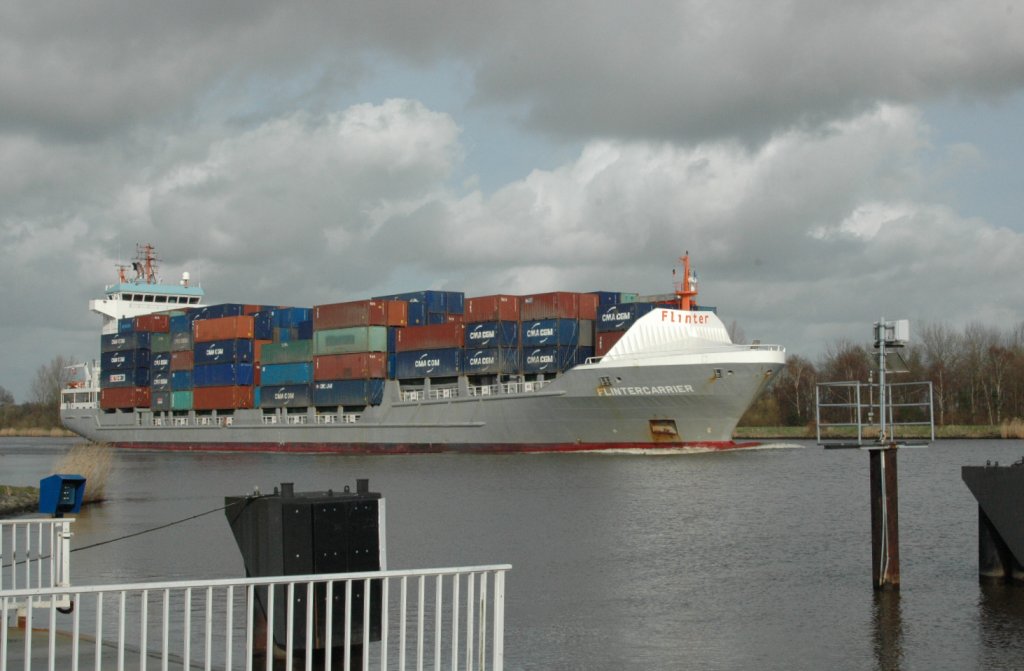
x=495, y=361
x=483, y=335
x=333, y=393
x=160, y=361
x=125, y=359
x=222, y=375
x=223, y=351
x=553, y=359
x=350, y=340
x=286, y=373
x=182, y=341
x=222, y=328
x=428, y=363
x=218, y=311
x=160, y=381
x=359, y=366
x=550, y=332
x=124, y=398
x=620, y=317
x=116, y=342
x=129, y=377
x=432, y=336
x=292, y=351
x=360, y=313
x=222, y=398
x=286, y=396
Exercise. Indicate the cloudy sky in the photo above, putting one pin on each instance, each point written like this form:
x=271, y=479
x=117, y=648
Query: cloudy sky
x=825, y=162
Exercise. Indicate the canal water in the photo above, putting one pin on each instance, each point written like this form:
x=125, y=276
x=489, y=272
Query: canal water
x=744, y=560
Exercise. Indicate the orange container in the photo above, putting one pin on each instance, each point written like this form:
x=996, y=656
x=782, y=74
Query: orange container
x=152, y=323
x=221, y=398
x=224, y=328
x=432, y=336
x=182, y=360
x=358, y=366
x=605, y=341
x=360, y=313
x=123, y=398
x=499, y=307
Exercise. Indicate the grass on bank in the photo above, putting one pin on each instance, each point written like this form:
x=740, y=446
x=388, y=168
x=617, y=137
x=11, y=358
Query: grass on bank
x=55, y=432
x=93, y=462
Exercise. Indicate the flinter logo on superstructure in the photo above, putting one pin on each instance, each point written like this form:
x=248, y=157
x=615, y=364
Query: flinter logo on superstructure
x=679, y=317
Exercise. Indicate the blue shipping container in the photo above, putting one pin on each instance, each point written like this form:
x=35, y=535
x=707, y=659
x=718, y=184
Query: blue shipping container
x=286, y=373
x=130, y=377
x=160, y=381
x=117, y=342
x=428, y=363
x=332, y=393
x=181, y=380
x=223, y=375
x=125, y=359
x=550, y=332
x=223, y=351
x=606, y=299
x=181, y=324
x=495, y=361
x=417, y=314
x=161, y=361
x=620, y=317
x=550, y=359
x=218, y=311
x=455, y=302
x=263, y=325
x=286, y=396
x=125, y=325
x=484, y=335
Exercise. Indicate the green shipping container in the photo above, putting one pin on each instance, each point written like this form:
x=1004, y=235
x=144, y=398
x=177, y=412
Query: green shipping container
x=351, y=340
x=628, y=297
x=292, y=351
x=181, y=400
x=160, y=342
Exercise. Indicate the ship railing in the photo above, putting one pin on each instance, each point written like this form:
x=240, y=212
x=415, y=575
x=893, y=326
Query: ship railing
x=35, y=553
x=297, y=419
x=437, y=618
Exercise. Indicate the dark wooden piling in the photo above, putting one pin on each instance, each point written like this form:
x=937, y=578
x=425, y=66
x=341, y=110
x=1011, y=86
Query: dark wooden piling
x=885, y=524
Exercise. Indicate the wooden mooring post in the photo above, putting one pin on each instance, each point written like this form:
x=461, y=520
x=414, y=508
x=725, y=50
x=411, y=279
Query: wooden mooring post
x=885, y=523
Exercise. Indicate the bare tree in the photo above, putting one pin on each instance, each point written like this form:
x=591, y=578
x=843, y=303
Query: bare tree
x=50, y=379
x=6, y=397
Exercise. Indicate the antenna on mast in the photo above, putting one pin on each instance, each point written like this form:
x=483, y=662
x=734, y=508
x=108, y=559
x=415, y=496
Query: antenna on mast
x=686, y=289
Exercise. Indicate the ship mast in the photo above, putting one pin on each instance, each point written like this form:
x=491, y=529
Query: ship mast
x=686, y=290
x=145, y=265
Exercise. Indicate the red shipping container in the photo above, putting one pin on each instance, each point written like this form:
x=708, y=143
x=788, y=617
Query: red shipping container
x=360, y=313
x=454, y=319
x=605, y=341
x=118, y=398
x=588, y=306
x=221, y=398
x=182, y=360
x=499, y=307
x=224, y=328
x=432, y=336
x=251, y=309
x=153, y=323
x=257, y=347
x=553, y=305
x=360, y=366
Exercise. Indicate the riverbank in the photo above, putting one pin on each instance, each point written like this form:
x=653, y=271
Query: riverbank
x=15, y=500
x=55, y=432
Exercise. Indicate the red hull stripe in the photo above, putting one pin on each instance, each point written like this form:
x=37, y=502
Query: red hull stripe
x=426, y=448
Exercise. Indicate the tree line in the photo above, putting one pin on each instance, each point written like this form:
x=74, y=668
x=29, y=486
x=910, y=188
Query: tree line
x=42, y=410
x=977, y=376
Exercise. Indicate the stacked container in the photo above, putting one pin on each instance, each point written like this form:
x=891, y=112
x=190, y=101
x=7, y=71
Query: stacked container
x=125, y=359
x=223, y=353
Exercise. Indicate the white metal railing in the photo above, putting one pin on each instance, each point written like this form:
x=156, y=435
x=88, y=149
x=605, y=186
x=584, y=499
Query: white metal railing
x=473, y=391
x=441, y=618
x=35, y=553
x=850, y=409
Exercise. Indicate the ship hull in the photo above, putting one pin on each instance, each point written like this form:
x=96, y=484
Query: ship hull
x=650, y=406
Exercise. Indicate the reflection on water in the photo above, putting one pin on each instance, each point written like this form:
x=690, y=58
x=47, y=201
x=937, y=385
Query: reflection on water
x=888, y=630
x=1001, y=616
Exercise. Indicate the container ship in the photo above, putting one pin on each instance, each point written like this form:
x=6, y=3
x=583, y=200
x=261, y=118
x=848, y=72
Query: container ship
x=424, y=371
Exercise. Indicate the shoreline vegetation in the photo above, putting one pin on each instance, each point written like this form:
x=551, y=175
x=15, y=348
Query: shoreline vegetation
x=93, y=462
